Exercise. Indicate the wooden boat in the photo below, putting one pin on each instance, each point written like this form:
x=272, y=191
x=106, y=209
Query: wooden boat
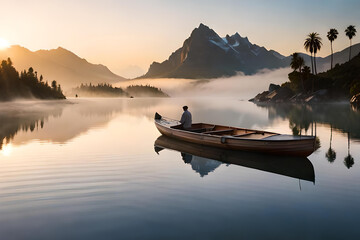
x=237, y=138
x=296, y=167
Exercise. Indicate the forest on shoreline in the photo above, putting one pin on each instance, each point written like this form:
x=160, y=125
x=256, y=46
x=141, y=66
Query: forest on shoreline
x=107, y=90
x=26, y=85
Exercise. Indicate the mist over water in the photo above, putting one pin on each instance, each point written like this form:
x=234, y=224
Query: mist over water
x=241, y=86
x=85, y=168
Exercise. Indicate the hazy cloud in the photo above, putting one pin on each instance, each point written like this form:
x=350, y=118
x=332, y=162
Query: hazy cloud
x=241, y=86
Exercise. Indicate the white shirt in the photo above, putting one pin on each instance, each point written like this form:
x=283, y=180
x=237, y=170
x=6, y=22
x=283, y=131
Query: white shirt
x=186, y=119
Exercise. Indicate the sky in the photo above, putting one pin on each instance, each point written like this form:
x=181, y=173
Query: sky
x=127, y=36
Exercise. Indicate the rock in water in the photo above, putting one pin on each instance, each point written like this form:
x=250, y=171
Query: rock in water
x=280, y=95
x=261, y=97
x=273, y=87
x=355, y=100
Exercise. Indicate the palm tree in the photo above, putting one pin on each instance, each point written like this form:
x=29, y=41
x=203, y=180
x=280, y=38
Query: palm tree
x=313, y=44
x=306, y=71
x=301, y=63
x=317, y=47
x=294, y=64
x=297, y=62
x=306, y=74
x=309, y=48
x=350, y=32
x=332, y=35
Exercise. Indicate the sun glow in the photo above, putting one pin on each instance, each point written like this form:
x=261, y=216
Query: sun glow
x=6, y=150
x=4, y=43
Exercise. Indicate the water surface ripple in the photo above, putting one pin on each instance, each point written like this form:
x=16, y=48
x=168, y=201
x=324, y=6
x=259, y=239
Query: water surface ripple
x=88, y=170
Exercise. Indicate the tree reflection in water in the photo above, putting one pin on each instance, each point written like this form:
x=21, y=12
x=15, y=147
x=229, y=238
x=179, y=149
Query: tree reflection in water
x=331, y=154
x=302, y=117
x=349, y=160
x=12, y=121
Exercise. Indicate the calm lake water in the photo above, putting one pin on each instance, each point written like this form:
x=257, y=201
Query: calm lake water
x=87, y=169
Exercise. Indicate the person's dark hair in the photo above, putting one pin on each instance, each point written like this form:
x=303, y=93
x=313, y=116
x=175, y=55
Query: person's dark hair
x=185, y=108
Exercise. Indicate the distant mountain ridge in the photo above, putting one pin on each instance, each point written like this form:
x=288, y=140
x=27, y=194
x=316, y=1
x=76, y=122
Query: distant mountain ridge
x=61, y=65
x=323, y=63
x=206, y=55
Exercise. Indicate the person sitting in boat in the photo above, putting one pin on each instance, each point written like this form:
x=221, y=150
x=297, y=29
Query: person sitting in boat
x=186, y=119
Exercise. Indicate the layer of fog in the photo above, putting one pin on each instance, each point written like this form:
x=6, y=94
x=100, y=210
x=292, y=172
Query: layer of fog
x=61, y=121
x=240, y=86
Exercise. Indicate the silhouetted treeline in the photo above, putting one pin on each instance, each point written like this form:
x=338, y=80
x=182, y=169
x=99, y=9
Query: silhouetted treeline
x=342, y=80
x=100, y=90
x=25, y=85
x=145, y=91
x=107, y=90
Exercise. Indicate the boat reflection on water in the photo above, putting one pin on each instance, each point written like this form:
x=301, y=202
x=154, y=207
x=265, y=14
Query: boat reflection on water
x=204, y=159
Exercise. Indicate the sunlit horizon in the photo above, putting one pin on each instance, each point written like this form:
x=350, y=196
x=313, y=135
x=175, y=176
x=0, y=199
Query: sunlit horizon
x=4, y=43
x=128, y=37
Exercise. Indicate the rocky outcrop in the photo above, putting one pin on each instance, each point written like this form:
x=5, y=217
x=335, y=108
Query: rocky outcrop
x=318, y=96
x=355, y=100
x=285, y=94
x=261, y=97
x=279, y=94
x=273, y=87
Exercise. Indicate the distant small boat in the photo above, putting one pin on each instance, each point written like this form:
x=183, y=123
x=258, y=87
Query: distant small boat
x=237, y=138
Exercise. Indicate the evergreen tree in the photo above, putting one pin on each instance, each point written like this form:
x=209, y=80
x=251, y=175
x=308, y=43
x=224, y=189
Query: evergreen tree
x=24, y=85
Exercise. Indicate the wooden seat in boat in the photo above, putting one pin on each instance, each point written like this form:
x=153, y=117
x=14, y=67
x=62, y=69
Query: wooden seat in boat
x=216, y=132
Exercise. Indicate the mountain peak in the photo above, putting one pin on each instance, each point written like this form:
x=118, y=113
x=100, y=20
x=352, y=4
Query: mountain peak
x=55, y=50
x=62, y=49
x=203, y=26
x=17, y=47
x=237, y=35
x=203, y=30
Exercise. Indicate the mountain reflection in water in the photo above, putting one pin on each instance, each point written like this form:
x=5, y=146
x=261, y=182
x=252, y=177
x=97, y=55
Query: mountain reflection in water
x=201, y=165
x=204, y=159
